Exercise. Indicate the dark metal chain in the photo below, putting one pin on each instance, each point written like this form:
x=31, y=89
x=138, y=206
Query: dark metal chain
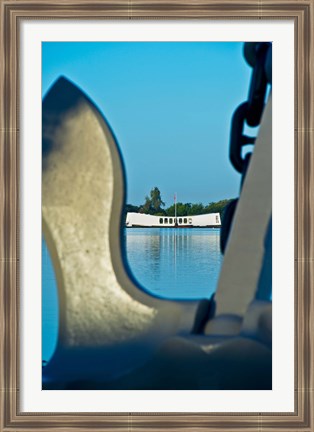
x=259, y=56
x=237, y=138
x=250, y=112
x=257, y=92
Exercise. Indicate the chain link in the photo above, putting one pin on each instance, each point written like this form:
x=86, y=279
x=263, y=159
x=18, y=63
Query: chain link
x=250, y=112
x=257, y=92
x=237, y=139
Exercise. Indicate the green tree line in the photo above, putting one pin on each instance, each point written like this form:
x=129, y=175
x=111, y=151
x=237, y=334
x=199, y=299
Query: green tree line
x=154, y=205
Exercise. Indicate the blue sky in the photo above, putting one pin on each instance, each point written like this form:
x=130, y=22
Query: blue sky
x=169, y=105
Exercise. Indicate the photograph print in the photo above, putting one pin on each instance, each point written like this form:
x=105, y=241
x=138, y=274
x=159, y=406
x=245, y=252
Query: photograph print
x=157, y=215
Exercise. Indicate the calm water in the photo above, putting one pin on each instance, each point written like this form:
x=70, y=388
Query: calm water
x=175, y=263
x=171, y=263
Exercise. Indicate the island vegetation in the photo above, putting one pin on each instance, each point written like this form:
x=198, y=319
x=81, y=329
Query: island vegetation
x=154, y=205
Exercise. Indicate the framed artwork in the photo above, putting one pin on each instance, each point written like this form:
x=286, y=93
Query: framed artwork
x=158, y=363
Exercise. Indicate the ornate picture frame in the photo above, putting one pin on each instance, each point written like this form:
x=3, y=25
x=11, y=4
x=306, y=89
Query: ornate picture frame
x=12, y=14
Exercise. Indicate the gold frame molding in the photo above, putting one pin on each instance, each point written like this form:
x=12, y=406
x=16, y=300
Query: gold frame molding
x=11, y=14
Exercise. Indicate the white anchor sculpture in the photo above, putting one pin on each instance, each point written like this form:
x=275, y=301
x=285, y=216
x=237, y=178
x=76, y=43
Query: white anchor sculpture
x=113, y=334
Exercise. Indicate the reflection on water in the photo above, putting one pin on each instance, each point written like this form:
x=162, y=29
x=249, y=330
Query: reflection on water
x=175, y=262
